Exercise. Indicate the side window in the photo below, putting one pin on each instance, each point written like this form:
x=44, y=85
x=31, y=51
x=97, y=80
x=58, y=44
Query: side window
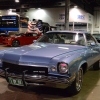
x=80, y=35
x=89, y=39
x=34, y=34
x=26, y=35
x=29, y=34
x=81, y=40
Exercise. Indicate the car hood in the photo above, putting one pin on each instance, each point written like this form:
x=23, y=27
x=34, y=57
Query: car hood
x=38, y=52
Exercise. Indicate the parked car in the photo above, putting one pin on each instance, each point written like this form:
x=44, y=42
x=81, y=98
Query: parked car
x=97, y=36
x=2, y=36
x=21, y=39
x=57, y=59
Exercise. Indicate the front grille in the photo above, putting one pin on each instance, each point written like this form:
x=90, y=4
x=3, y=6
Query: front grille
x=30, y=70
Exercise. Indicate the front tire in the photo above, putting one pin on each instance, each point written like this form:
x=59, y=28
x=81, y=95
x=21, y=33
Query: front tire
x=15, y=43
x=77, y=83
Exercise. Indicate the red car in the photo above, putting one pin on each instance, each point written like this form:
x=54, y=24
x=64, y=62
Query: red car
x=21, y=39
x=2, y=36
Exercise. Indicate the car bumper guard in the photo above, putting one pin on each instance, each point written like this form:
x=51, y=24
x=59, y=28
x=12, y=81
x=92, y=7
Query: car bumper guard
x=40, y=80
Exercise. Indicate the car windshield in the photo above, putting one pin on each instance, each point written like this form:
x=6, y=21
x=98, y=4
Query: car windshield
x=19, y=34
x=61, y=38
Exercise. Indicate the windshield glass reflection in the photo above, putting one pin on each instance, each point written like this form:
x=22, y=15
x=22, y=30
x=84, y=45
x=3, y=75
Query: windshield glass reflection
x=61, y=38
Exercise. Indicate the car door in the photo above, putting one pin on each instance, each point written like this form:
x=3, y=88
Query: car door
x=1, y=39
x=93, y=47
x=28, y=38
x=24, y=39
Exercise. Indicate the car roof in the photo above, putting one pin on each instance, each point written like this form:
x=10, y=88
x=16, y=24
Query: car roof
x=97, y=34
x=68, y=31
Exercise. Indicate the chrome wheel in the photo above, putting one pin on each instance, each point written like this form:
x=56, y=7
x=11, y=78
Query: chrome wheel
x=77, y=83
x=79, y=79
x=15, y=43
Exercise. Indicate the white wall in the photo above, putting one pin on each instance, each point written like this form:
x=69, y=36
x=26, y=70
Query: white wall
x=77, y=15
x=7, y=12
x=53, y=15
x=96, y=25
x=56, y=15
x=49, y=15
x=3, y=12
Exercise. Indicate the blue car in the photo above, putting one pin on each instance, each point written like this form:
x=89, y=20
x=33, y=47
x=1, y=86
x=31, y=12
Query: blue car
x=57, y=59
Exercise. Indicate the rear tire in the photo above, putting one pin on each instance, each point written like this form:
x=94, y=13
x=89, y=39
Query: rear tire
x=15, y=43
x=77, y=83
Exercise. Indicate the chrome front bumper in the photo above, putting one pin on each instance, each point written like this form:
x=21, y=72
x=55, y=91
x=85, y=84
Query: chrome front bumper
x=40, y=80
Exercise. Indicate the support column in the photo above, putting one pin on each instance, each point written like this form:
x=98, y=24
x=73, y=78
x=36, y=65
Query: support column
x=87, y=27
x=67, y=6
x=73, y=26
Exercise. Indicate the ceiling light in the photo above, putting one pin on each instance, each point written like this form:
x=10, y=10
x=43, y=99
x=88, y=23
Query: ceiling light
x=75, y=6
x=39, y=8
x=16, y=0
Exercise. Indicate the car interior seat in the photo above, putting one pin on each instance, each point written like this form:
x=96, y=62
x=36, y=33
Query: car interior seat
x=61, y=39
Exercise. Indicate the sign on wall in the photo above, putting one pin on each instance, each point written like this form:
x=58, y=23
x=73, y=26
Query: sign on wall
x=82, y=17
x=90, y=18
x=61, y=16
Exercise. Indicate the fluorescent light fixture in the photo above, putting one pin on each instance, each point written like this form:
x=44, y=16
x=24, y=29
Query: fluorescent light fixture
x=10, y=9
x=16, y=0
x=75, y=6
x=39, y=8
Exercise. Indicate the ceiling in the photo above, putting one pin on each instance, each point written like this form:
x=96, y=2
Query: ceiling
x=10, y=4
x=5, y=4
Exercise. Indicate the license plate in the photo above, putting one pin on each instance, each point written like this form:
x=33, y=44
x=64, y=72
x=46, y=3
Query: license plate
x=18, y=82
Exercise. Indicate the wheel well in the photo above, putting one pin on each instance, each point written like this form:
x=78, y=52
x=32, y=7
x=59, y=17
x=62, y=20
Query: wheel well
x=84, y=67
x=18, y=43
x=16, y=40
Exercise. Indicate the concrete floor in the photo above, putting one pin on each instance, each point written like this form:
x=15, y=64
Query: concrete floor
x=90, y=90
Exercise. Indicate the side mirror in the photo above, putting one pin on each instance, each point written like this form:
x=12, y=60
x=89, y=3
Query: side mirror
x=92, y=43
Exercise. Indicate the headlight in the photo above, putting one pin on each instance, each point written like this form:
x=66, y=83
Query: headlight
x=62, y=67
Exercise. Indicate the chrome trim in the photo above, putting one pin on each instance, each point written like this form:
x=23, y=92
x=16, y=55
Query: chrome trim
x=28, y=65
x=13, y=62
x=17, y=62
x=39, y=79
x=33, y=65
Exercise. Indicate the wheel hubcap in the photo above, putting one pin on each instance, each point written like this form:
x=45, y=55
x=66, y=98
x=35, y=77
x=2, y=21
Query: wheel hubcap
x=79, y=80
x=15, y=43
